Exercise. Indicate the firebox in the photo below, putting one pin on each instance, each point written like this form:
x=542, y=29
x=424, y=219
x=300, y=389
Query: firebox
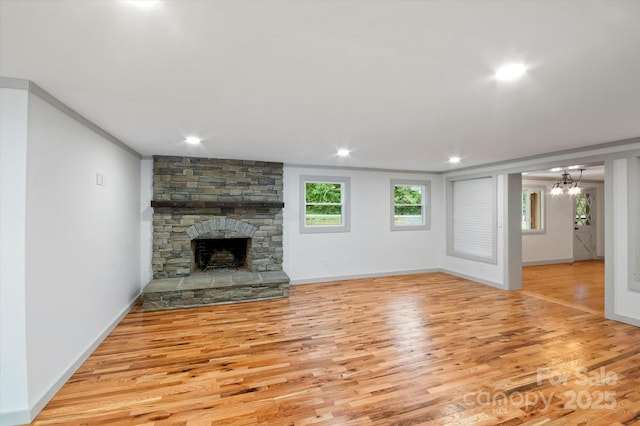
x=215, y=254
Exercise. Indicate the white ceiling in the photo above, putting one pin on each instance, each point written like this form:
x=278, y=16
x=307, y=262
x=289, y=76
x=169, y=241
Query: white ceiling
x=589, y=172
x=403, y=84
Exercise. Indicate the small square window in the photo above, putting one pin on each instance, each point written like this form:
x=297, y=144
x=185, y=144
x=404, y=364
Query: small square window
x=410, y=207
x=324, y=204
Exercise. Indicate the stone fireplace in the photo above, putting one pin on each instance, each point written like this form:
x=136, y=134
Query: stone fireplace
x=216, y=223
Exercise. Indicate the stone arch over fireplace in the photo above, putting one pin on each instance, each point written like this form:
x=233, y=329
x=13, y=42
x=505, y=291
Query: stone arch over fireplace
x=220, y=224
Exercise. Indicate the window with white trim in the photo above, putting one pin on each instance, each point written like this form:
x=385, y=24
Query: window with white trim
x=533, y=210
x=410, y=206
x=471, y=219
x=325, y=204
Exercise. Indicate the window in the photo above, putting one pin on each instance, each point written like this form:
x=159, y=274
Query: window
x=471, y=219
x=325, y=202
x=532, y=210
x=583, y=209
x=410, y=205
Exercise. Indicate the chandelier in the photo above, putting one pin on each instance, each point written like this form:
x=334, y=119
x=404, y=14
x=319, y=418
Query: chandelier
x=567, y=183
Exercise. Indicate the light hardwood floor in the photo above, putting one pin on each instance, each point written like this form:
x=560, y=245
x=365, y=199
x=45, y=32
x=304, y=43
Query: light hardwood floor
x=579, y=284
x=422, y=349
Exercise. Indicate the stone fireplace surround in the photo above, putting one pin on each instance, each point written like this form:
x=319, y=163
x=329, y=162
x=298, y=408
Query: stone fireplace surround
x=199, y=198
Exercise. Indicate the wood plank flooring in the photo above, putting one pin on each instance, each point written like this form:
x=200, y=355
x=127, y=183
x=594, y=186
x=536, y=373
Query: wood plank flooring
x=578, y=284
x=427, y=349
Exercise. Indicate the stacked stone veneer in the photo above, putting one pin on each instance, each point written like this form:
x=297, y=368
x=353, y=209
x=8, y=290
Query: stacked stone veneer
x=203, y=179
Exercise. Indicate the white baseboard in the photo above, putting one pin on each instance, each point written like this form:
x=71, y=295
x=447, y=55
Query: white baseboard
x=10, y=418
x=394, y=273
x=27, y=415
x=548, y=262
x=474, y=279
x=360, y=276
x=624, y=319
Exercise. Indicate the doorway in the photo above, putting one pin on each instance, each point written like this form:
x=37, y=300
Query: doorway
x=584, y=240
x=563, y=256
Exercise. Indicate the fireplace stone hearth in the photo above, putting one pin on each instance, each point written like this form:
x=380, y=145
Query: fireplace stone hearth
x=213, y=288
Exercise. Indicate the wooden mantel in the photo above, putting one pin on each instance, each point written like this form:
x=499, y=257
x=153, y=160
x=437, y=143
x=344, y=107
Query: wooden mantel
x=215, y=204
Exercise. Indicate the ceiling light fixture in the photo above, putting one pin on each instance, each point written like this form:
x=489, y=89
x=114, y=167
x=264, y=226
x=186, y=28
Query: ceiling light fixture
x=510, y=72
x=454, y=160
x=343, y=152
x=566, y=182
x=192, y=140
x=143, y=4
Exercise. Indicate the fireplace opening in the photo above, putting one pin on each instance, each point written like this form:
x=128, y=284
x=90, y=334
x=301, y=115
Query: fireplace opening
x=216, y=254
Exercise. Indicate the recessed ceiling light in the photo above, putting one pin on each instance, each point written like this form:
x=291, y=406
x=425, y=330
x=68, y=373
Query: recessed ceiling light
x=574, y=167
x=142, y=4
x=510, y=72
x=192, y=140
x=454, y=160
x=343, y=152
x=556, y=169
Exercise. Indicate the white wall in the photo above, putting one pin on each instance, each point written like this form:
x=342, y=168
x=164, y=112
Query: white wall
x=82, y=242
x=626, y=302
x=146, y=215
x=556, y=243
x=634, y=211
x=370, y=248
x=13, y=175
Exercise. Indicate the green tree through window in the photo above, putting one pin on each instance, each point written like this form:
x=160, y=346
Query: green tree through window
x=409, y=208
x=323, y=203
x=408, y=202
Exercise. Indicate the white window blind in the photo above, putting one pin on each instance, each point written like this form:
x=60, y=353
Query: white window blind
x=473, y=227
